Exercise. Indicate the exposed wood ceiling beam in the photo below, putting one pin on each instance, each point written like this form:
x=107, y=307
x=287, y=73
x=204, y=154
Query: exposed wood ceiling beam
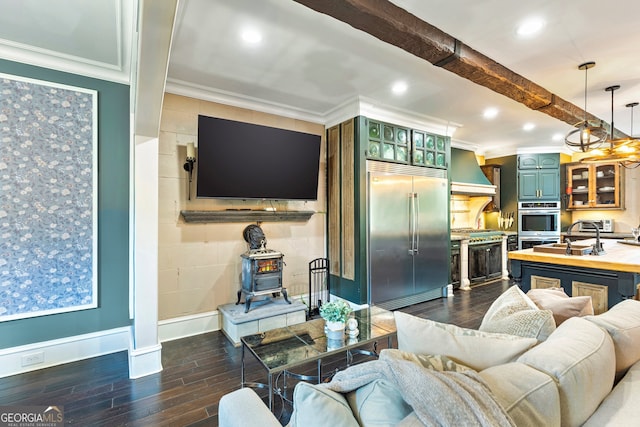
x=394, y=25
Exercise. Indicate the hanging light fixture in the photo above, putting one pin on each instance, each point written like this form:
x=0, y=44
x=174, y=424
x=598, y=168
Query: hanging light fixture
x=625, y=151
x=631, y=147
x=586, y=136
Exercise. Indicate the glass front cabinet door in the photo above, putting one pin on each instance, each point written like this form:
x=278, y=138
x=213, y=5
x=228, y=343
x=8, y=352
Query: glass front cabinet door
x=596, y=186
x=398, y=144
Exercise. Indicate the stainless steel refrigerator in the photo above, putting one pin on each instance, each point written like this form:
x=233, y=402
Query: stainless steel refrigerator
x=408, y=234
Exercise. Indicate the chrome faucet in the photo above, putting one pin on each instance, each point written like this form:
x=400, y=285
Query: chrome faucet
x=596, y=247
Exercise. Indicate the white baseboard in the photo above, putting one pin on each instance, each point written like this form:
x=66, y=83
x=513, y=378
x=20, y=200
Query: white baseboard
x=145, y=361
x=64, y=350
x=187, y=326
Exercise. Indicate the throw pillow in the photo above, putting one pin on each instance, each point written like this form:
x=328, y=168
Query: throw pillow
x=514, y=313
x=562, y=305
x=378, y=403
x=622, y=322
x=435, y=362
x=315, y=406
x=476, y=349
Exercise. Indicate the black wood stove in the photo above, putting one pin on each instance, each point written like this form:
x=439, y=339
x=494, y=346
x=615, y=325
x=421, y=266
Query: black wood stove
x=261, y=268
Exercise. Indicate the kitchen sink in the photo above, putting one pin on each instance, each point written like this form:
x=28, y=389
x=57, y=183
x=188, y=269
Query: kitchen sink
x=561, y=248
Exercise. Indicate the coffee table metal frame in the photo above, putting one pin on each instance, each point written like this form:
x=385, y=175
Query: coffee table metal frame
x=282, y=349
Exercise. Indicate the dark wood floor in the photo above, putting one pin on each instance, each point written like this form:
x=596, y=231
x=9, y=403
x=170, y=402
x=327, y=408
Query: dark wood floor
x=197, y=372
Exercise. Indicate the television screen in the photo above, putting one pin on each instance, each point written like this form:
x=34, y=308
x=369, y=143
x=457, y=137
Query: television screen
x=239, y=160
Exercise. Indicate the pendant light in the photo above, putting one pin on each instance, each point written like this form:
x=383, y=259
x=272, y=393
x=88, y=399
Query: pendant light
x=631, y=147
x=625, y=151
x=585, y=137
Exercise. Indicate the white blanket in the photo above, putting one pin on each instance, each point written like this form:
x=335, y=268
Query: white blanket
x=438, y=398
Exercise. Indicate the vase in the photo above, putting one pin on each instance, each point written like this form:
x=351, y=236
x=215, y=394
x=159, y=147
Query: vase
x=335, y=330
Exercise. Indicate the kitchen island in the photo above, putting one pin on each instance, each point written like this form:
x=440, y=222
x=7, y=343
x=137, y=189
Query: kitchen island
x=607, y=278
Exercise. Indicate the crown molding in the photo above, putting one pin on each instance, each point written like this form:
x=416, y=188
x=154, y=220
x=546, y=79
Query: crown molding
x=179, y=87
x=118, y=72
x=368, y=107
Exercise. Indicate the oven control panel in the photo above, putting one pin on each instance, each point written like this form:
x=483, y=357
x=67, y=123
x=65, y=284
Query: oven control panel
x=539, y=205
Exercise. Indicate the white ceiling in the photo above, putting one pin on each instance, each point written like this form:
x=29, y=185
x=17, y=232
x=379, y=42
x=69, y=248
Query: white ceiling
x=308, y=65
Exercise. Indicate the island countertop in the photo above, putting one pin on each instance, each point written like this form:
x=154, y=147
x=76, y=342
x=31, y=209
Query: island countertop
x=618, y=257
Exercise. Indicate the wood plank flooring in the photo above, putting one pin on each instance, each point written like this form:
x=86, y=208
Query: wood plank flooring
x=197, y=372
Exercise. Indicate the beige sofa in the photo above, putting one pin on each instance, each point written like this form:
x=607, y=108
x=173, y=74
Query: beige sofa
x=584, y=372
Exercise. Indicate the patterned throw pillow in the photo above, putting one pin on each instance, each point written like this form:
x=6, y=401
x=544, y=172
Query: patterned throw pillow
x=516, y=314
x=435, y=362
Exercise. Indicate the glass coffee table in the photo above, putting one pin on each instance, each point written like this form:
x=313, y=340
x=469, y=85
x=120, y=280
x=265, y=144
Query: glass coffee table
x=281, y=350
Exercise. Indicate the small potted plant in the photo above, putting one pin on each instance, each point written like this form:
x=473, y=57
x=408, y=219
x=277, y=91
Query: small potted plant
x=335, y=314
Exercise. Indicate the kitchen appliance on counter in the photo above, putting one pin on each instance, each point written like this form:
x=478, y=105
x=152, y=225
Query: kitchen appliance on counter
x=408, y=234
x=603, y=225
x=538, y=223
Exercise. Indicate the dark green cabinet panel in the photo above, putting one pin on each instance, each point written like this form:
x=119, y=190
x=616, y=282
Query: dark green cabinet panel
x=549, y=183
x=528, y=185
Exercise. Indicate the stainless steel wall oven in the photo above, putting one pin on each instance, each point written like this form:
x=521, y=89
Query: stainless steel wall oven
x=538, y=223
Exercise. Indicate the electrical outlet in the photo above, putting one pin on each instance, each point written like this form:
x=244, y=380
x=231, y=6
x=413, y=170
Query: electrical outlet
x=33, y=358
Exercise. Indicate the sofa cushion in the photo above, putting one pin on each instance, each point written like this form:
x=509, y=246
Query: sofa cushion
x=622, y=322
x=514, y=313
x=476, y=349
x=529, y=396
x=562, y=305
x=581, y=357
x=620, y=408
x=378, y=403
x=318, y=406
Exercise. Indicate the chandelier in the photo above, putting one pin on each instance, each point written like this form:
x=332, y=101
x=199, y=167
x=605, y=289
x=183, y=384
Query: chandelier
x=586, y=136
x=625, y=151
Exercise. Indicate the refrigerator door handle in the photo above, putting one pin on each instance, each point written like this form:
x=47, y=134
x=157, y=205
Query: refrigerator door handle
x=412, y=223
x=416, y=217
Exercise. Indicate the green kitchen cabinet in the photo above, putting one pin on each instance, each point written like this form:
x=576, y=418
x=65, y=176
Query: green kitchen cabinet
x=539, y=161
x=429, y=150
x=539, y=177
x=398, y=144
x=388, y=142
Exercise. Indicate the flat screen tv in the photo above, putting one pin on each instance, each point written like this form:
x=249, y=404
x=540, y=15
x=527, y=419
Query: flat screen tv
x=239, y=160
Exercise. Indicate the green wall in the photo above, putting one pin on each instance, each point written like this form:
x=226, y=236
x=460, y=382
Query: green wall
x=113, y=218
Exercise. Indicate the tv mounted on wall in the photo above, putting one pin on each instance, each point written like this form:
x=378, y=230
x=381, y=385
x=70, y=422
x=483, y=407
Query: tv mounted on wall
x=238, y=160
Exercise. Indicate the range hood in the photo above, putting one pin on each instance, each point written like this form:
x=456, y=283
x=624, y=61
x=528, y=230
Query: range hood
x=466, y=175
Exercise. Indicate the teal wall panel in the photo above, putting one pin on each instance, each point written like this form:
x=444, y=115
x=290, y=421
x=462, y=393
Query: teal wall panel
x=113, y=218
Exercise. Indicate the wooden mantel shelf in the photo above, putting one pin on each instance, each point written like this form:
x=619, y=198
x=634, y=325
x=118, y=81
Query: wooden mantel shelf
x=245, y=216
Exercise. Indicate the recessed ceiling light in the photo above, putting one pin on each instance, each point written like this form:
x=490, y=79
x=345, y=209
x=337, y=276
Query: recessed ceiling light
x=530, y=26
x=490, y=113
x=528, y=127
x=399, y=88
x=251, y=36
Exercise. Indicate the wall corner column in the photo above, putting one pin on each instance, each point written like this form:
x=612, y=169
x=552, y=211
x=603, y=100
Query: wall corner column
x=145, y=348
